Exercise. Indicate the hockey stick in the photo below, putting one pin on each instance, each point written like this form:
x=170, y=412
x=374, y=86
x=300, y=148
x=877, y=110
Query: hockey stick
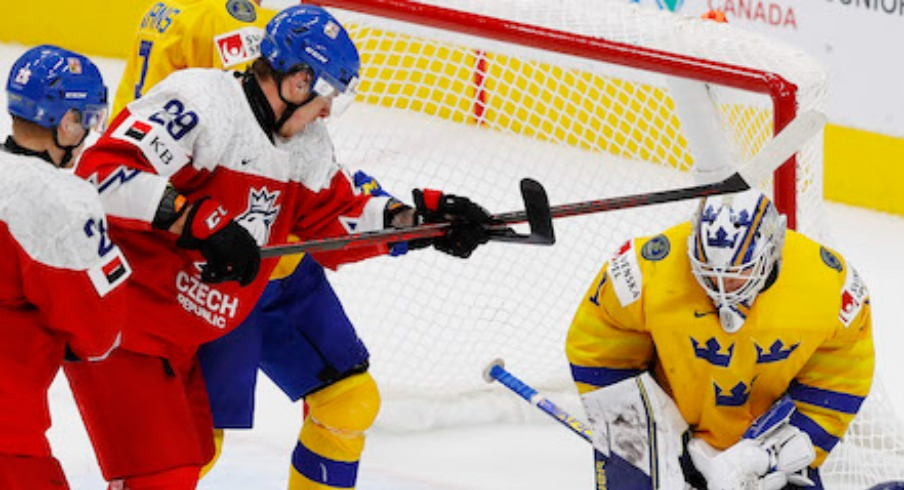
x=778, y=150
x=536, y=213
x=611, y=466
x=495, y=371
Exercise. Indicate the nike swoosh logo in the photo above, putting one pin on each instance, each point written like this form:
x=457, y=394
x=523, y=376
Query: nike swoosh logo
x=246, y=161
x=697, y=314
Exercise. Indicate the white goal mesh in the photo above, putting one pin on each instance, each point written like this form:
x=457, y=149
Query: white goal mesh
x=580, y=101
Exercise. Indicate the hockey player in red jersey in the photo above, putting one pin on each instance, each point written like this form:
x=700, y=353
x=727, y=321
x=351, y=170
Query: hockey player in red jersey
x=195, y=175
x=298, y=333
x=61, y=278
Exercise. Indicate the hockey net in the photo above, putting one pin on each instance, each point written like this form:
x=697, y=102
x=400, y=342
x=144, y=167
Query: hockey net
x=582, y=97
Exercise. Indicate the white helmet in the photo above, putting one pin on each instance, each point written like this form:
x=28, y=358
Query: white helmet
x=735, y=245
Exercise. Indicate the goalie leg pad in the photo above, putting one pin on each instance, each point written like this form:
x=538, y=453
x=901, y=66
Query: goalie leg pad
x=332, y=437
x=642, y=429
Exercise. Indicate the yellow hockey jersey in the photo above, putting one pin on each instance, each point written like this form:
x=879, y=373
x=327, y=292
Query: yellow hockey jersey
x=808, y=335
x=176, y=34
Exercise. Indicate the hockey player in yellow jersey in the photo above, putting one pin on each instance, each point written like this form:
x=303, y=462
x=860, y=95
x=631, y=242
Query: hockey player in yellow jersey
x=749, y=345
x=176, y=34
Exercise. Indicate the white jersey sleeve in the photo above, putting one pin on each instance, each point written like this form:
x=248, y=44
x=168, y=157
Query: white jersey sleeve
x=192, y=122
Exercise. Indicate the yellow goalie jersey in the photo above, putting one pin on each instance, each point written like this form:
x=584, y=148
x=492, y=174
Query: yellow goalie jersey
x=176, y=34
x=807, y=335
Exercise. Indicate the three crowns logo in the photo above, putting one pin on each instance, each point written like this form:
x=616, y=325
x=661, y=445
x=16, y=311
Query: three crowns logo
x=710, y=352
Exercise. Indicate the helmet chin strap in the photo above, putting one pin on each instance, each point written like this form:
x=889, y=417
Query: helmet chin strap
x=68, y=150
x=291, y=107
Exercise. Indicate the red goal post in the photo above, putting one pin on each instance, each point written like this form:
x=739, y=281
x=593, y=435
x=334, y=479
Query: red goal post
x=782, y=92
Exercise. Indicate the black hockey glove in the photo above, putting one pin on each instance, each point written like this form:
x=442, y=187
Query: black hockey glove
x=467, y=231
x=232, y=253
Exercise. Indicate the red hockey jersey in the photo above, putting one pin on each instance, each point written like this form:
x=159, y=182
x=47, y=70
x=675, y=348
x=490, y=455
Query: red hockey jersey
x=196, y=131
x=60, y=283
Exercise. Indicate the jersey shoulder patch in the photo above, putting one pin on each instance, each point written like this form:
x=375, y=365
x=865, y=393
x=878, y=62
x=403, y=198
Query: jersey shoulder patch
x=656, y=249
x=242, y=10
x=625, y=274
x=830, y=259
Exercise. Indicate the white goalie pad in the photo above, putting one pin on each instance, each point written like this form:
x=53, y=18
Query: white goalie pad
x=637, y=421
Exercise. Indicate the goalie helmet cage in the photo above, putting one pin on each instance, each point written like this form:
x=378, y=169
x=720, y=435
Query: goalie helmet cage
x=470, y=96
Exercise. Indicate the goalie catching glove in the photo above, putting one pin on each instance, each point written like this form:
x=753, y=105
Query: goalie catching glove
x=467, y=219
x=231, y=252
x=772, y=454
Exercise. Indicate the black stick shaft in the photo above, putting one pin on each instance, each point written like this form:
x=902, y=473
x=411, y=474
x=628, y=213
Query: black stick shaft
x=735, y=183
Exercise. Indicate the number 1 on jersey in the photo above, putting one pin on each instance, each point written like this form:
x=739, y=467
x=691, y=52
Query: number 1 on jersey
x=144, y=52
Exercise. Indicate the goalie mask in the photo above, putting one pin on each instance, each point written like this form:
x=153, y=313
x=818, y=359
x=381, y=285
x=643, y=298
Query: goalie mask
x=735, y=245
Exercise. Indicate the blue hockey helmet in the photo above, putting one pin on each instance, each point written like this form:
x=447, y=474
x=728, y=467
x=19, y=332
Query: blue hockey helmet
x=47, y=81
x=309, y=36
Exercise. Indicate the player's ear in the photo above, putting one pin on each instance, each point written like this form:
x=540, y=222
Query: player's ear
x=70, y=129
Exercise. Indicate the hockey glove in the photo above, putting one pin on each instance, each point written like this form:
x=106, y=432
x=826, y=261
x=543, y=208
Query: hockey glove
x=231, y=252
x=772, y=454
x=467, y=218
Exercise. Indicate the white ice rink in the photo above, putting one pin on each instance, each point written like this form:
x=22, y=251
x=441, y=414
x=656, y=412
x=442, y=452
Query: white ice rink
x=537, y=455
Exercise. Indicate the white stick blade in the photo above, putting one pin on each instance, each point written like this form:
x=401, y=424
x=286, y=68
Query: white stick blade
x=783, y=146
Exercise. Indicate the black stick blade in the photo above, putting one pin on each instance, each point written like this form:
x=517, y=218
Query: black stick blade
x=538, y=216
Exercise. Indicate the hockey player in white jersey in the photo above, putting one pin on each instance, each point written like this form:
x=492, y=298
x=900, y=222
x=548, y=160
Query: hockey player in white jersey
x=61, y=278
x=195, y=176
